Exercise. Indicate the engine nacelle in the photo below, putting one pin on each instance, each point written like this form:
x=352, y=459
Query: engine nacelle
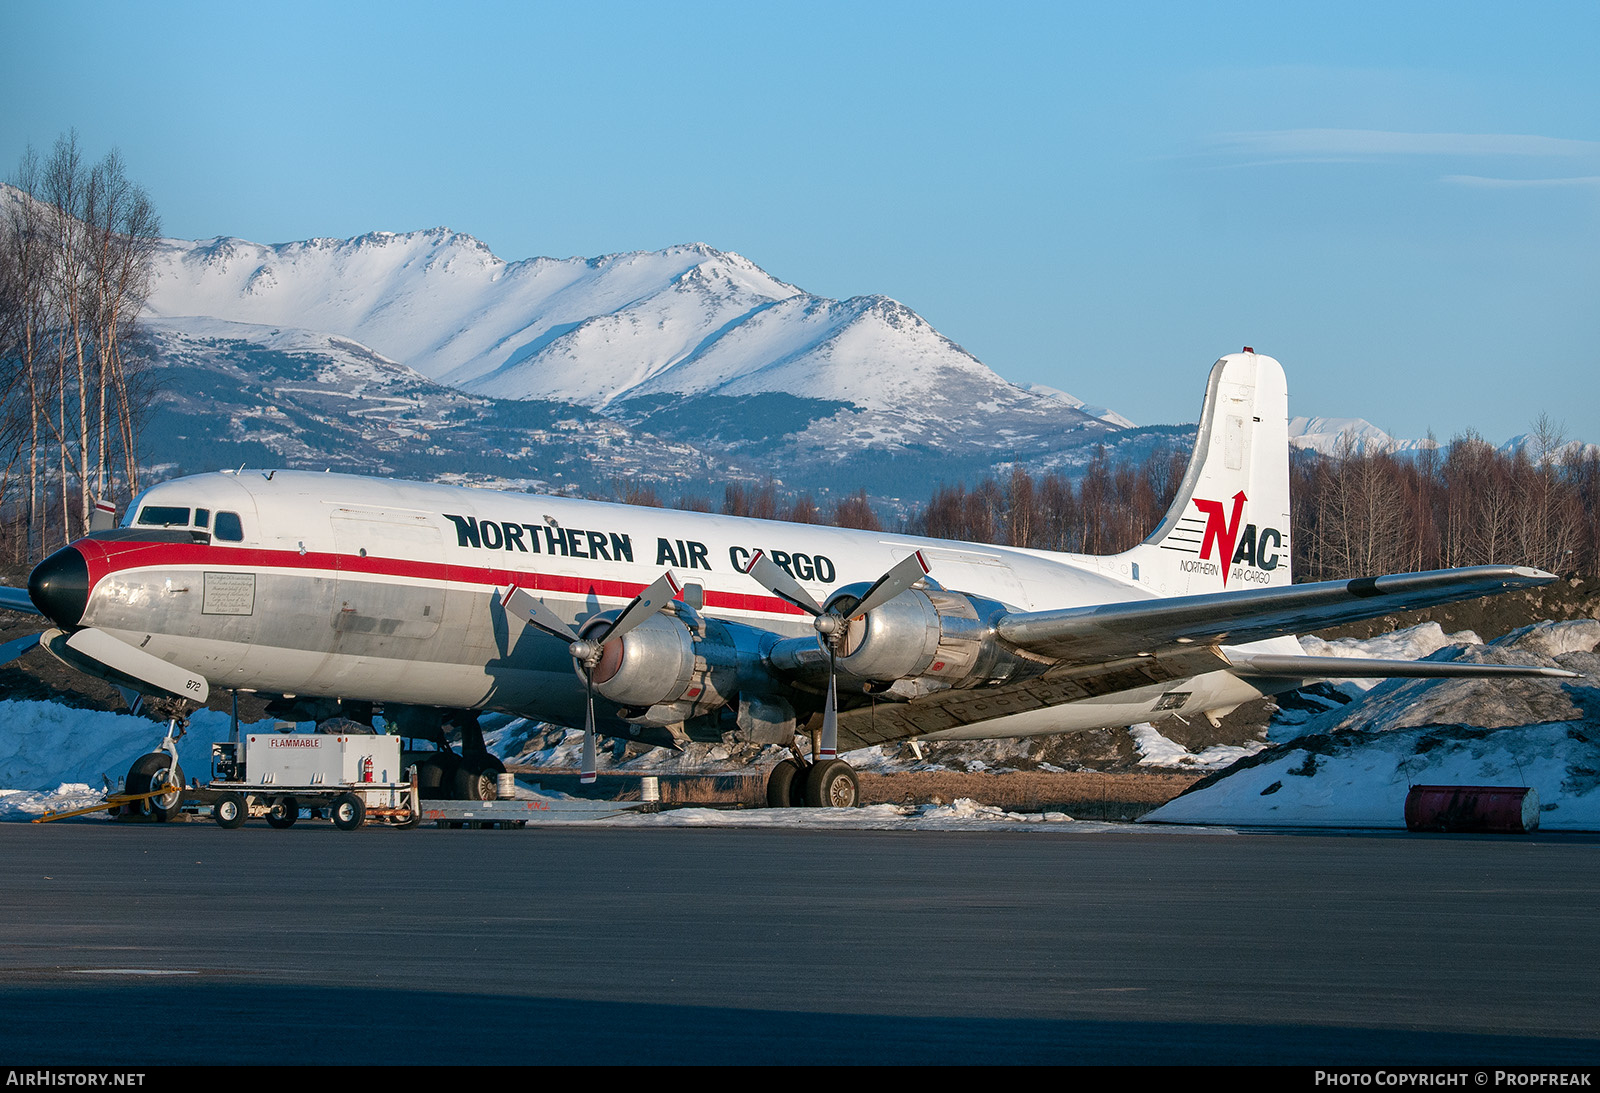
x=652, y=663
x=677, y=665
x=944, y=638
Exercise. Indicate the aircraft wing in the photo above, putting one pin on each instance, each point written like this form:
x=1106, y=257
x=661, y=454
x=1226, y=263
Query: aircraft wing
x=1088, y=634
x=16, y=599
x=1104, y=649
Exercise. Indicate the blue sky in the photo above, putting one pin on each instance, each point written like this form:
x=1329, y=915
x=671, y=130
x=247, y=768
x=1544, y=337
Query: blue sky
x=1399, y=201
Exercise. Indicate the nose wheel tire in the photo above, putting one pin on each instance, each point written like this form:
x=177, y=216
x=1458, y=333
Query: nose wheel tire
x=152, y=772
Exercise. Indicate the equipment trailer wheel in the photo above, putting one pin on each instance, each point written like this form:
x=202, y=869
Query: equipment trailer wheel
x=349, y=812
x=150, y=772
x=832, y=784
x=283, y=813
x=229, y=811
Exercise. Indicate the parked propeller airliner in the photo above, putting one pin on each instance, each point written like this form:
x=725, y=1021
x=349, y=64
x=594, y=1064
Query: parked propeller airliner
x=342, y=594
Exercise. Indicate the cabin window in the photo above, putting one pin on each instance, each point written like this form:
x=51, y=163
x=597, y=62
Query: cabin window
x=228, y=528
x=163, y=516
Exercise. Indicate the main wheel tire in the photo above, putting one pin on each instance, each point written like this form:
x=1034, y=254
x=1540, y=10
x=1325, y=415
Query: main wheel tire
x=229, y=811
x=436, y=777
x=349, y=812
x=786, y=785
x=832, y=784
x=151, y=772
x=478, y=778
x=283, y=813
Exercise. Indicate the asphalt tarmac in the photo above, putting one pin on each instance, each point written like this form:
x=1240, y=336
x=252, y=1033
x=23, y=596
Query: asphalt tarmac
x=184, y=943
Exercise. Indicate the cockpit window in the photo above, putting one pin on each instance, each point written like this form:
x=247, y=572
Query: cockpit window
x=228, y=528
x=163, y=516
x=202, y=518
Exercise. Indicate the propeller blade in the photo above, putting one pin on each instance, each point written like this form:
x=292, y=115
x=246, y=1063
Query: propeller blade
x=645, y=604
x=780, y=584
x=907, y=572
x=11, y=650
x=17, y=599
x=586, y=774
x=532, y=611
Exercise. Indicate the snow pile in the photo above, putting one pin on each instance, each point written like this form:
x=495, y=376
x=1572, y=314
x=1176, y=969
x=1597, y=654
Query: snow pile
x=1156, y=750
x=1412, y=643
x=963, y=814
x=43, y=745
x=1354, y=764
x=1482, y=703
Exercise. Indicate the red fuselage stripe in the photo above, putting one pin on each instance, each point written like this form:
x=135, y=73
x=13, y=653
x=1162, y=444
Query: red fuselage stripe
x=106, y=558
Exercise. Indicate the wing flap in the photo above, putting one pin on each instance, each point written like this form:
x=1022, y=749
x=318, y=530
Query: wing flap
x=883, y=721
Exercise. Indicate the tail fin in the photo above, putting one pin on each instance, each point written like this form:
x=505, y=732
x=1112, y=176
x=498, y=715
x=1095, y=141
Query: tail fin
x=1228, y=527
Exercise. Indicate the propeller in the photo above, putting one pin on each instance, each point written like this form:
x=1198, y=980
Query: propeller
x=832, y=623
x=11, y=650
x=587, y=651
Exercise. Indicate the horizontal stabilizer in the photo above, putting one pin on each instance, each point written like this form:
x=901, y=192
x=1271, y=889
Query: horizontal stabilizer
x=1294, y=667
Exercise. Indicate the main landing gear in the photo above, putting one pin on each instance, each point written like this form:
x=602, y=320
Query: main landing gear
x=443, y=775
x=829, y=783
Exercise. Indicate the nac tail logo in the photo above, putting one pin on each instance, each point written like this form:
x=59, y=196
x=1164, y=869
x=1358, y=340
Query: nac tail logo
x=1244, y=551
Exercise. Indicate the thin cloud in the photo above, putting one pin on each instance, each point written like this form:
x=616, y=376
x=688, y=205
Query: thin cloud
x=1520, y=183
x=1322, y=144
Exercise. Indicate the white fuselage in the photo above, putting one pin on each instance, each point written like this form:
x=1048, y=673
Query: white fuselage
x=386, y=591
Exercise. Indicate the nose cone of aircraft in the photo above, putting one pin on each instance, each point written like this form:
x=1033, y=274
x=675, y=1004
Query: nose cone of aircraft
x=59, y=587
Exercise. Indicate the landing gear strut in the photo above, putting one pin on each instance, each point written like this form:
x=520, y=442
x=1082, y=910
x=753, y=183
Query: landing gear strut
x=158, y=770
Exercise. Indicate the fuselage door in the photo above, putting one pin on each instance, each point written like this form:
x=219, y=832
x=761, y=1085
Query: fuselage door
x=389, y=565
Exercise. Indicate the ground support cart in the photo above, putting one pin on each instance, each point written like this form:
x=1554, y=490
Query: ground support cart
x=352, y=779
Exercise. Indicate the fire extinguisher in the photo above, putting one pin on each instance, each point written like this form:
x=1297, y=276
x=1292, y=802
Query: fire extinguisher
x=366, y=769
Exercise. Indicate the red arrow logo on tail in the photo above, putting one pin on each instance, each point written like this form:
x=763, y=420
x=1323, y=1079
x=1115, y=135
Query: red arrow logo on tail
x=1222, y=532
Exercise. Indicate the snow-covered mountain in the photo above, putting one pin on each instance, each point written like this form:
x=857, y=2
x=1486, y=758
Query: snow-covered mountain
x=685, y=321
x=687, y=345
x=1348, y=436
x=1357, y=436
x=1107, y=415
